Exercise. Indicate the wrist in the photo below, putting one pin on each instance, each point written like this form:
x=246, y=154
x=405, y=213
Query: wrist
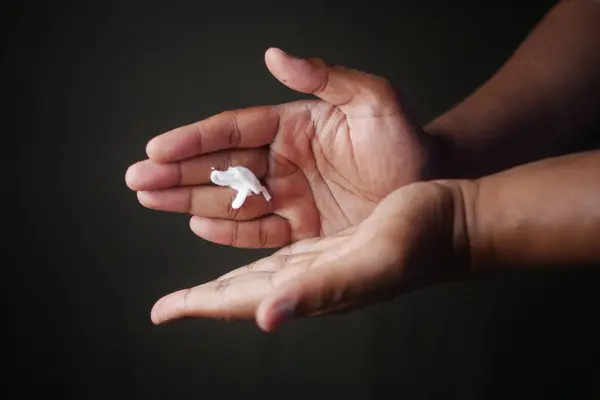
x=464, y=137
x=439, y=163
x=463, y=230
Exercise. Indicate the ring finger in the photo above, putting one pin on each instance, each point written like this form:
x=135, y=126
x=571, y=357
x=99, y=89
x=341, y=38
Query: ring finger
x=205, y=201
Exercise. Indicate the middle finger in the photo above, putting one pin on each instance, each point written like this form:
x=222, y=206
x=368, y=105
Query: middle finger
x=148, y=175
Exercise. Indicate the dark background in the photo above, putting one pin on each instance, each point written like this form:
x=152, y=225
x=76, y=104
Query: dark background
x=87, y=84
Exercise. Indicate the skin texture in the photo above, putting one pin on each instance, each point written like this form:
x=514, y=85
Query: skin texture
x=348, y=175
x=400, y=245
x=543, y=214
x=542, y=102
x=326, y=163
x=420, y=234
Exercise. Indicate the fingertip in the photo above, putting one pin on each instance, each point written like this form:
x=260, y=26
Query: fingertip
x=152, y=149
x=199, y=225
x=215, y=231
x=154, y=315
x=272, y=314
x=273, y=53
x=261, y=317
x=162, y=148
x=148, y=175
x=131, y=176
x=169, y=307
x=145, y=198
x=279, y=61
x=297, y=73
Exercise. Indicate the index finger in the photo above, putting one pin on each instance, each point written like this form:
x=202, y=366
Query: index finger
x=244, y=128
x=230, y=299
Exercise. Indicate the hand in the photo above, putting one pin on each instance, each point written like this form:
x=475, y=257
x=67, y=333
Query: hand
x=412, y=238
x=326, y=163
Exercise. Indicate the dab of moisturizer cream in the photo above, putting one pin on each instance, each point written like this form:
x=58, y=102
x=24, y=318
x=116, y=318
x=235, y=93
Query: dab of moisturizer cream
x=242, y=180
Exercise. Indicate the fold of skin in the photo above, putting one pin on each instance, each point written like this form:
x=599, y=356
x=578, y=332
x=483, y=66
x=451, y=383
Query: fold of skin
x=543, y=102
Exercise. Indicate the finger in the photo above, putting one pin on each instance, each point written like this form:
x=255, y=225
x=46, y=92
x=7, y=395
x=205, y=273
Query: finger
x=340, y=281
x=355, y=92
x=149, y=175
x=226, y=299
x=232, y=298
x=245, y=128
x=204, y=201
x=267, y=232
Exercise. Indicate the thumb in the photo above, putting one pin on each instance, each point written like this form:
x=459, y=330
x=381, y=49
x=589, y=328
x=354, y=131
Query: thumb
x=340, y=284
x=355, y=92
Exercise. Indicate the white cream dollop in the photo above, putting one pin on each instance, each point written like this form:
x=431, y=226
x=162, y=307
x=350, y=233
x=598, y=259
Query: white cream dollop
x=242, y=180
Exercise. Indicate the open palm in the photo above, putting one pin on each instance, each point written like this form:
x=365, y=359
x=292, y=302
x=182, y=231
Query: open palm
x=413, y=238
x=326, y=163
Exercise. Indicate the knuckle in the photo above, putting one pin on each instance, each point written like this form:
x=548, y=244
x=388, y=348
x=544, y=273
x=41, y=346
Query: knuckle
x=234, y=234
x=317, y=62
x=263, y=235
x=198, y=133
x=189, y=206
x=227, y=160
x=232, y=213
x=221, y=161
x=235, y=137
x=186, y=300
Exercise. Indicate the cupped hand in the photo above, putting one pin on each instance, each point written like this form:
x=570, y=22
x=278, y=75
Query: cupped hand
x=414, y=237
x=326, y=163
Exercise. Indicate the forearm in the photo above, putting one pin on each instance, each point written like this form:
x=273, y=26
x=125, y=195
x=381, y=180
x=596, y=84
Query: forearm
x=545, y=213
x=541, y=103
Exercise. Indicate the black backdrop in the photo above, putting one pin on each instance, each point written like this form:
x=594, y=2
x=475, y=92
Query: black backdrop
x=86, y=84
